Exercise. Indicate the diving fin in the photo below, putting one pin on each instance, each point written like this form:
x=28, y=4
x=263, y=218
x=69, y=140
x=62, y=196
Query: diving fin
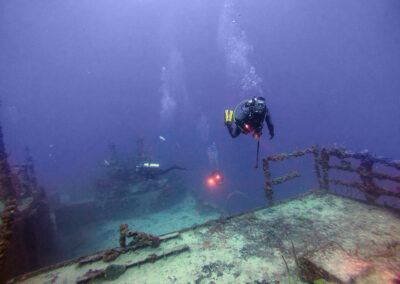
x=228, y=115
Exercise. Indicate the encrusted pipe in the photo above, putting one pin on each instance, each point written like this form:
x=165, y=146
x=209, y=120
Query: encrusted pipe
x=324, y=162
x=269, y=193
x=316, y=162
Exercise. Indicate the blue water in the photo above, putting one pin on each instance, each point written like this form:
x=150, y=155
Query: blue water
x=76, y=76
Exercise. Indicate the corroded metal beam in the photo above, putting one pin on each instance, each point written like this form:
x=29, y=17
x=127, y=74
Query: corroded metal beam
x=287, y=177
x=376, y=191
x=342, y=153
x=316, y=162
x=380, y=176
x=284, y=156
x=116, y=270
x=269, y=193
x=324, y=163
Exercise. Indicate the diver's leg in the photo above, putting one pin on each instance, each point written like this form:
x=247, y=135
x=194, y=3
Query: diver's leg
x=174, y=167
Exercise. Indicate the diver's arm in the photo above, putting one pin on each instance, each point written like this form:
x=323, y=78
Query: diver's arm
x=235, y=133
x=238, y=120
x=270, y=125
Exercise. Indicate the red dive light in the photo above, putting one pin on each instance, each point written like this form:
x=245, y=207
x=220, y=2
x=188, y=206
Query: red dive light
x=214, y=179
x=247, y=127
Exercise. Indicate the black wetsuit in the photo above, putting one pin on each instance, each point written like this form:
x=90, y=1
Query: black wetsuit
x=251, y=119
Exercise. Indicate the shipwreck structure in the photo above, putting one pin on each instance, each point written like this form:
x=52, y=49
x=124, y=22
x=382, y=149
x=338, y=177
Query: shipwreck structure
x=318, y=237
x=27, y=233
x=119, y=193
x=322, y=160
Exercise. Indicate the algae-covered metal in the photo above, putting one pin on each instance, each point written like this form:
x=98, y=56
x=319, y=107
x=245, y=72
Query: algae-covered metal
x=327, y=231
x=323, y=163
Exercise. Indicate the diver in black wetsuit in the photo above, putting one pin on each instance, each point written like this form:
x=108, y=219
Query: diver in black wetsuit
x=153, y=170
x=251, y=119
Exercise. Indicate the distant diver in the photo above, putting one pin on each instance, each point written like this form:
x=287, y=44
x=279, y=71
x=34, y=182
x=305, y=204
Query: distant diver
x=215, y=177
x=250, y=120
x=153, y=171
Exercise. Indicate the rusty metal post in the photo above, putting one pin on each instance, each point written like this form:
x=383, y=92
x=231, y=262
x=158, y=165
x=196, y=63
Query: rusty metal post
x=316, y=151
x=369, y=187
x=269, y=193
x=324, y=162
x=285, y=178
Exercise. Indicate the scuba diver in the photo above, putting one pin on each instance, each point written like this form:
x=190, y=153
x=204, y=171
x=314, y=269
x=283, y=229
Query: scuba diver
x=153, y=171
x=215, y=177
x=250, y=120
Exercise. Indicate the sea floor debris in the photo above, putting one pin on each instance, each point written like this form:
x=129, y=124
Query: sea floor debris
x=101, y=236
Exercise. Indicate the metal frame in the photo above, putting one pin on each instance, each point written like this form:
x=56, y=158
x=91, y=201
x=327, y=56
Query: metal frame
x=322, y=165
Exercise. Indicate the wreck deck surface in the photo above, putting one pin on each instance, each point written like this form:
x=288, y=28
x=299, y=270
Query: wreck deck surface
x=341, y=239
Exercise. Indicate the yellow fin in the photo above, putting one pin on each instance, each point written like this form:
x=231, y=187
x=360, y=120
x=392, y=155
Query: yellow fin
x=230, y=115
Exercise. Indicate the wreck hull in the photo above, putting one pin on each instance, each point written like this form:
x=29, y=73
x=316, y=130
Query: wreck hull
x=75, y=216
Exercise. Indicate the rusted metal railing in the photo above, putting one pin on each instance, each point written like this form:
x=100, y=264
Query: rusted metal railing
x=365, y=170
x=323, y=163
x=269, y=193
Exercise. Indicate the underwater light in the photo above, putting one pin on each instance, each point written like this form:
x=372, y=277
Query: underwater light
x=218, y=177
x=151, y=165
x=211, y=181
